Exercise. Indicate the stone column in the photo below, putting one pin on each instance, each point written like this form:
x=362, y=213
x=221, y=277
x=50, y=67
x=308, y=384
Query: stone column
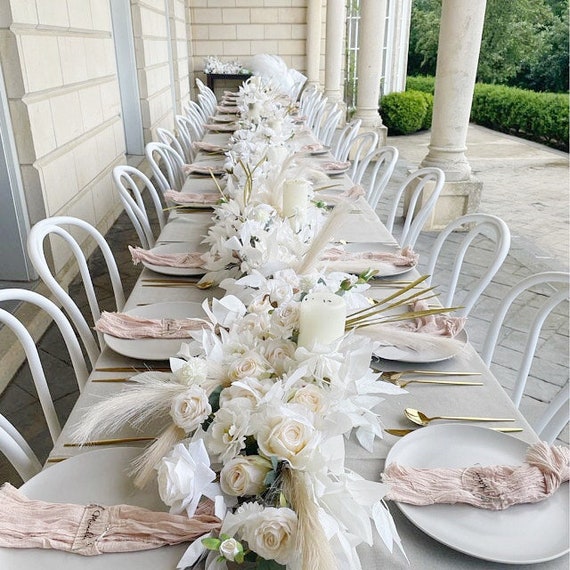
x=371, y=44
x=460, y=34
x=334, y=50
x=314, y=25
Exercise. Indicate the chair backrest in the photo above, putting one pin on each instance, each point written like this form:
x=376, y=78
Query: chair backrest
x=62, y=226
x=479, y=226
x=32, y=354
x=329, y=122
x=131, y=183
x=198, y=117
x=422, y=188
x=203, y=89
x=384, y=162
x=315, y=115
x=555, y=417
x=537, y=295
x=169, y=138
x=159, y=154
x=207, y=106
x=17, y=451
x=186, y=133
x=342, y=145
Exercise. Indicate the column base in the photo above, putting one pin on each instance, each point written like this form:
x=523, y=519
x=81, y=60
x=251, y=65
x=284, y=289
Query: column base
x=457, y=198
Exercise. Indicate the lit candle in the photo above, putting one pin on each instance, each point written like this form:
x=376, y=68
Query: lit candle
x=322, y=319
x=295, y=196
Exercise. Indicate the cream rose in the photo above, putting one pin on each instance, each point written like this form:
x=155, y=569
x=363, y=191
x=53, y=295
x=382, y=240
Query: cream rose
x=244, y=475
x=271, y=534
x=230, y=548
x=311, y=397
x=190, y=408
x=195, y=371
x=288, y=436
x=244, y=367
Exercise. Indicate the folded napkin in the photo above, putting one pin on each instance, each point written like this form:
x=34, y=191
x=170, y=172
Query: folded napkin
x=357, y=262
x=185, y=260
x=495, y=488
x=352, y=193
x=121, y=325
x=335, y=165
x=195, y=168
x=221, y=127
x=230, y=109
x=192, y=197
x=439, y=325
x=94, y=529
x=208, y=147
x=316, y=147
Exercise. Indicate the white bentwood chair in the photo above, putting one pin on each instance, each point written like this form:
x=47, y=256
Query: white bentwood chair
x=169, y=138
x=32, y=353
x=131, y=183
x=537, y=296
x=342, y=144
x=63, y=226
x=422, y=188
x=384, y=162
x=16, y=449
x=480, y=226
x=162, y=155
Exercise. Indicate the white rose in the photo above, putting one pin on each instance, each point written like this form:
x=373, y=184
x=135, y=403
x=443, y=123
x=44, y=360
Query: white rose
x=244, y=475
x=288, y=436
x=184, y=475
x=271, y=534
x=244, y=367
x=279, y=353
x=229, y=549
x=190, y=408
x=250, y=389
x=311, y=397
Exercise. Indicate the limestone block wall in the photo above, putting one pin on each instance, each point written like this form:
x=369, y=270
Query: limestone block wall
x=161, y=50
x=60, y=72
x=238, y=29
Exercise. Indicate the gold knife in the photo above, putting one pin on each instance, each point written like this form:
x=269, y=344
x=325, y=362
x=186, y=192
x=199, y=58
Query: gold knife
x=112, y=441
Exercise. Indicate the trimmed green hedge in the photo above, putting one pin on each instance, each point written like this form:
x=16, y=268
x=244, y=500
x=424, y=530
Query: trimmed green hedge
x=542, y=117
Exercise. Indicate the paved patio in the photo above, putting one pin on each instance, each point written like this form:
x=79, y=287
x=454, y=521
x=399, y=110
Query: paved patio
x=524, y=183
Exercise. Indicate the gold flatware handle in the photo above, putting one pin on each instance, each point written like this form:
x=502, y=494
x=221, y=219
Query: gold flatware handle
x=171, y=285
x=133, y=369
x=471, y=419
x=126, y=379
x=112, y=441
x=402, y=432
x=441, y=373
x=403, y=383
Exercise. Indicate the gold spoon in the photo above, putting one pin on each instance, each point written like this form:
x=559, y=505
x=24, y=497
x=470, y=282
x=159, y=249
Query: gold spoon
x=421, y=419
x=402, y=432
x=396, y=375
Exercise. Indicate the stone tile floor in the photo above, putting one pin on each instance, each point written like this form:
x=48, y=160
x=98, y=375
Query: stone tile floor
x=527, y=256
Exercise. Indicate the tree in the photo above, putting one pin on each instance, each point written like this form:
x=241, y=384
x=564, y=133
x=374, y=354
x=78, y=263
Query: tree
x=525, y=42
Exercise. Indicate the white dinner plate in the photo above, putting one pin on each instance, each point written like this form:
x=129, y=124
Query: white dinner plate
x=425, y=356
x=165, y=269
x=155, y=348
x=224, y=118
x=337, y=171
x=320, y=151
x=521, y=534
x=93, y=477
x=391, y=270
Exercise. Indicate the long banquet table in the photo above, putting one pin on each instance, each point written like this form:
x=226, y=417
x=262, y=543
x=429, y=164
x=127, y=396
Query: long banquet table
x=422, y=551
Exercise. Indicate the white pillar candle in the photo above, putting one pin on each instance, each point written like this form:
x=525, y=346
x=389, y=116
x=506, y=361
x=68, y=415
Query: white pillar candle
x=322, y=319
x=295, y=196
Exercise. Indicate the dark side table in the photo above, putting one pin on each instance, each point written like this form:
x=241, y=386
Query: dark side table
x=211, y=78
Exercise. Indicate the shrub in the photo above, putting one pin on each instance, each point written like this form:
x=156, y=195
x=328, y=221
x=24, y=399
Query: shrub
x=426, y=124
x=403, y=113
x=424, y=83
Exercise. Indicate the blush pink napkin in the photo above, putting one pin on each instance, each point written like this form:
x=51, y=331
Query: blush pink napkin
x=441, y=325
x=315, y=147
x=230, y=109
x=192, y=197
x=208, y=147
x=187, y=260
x=94, y=529
x=335, y=165
x=401, y=258
x=495, y=488
x=121, y=325
x=203, y=169
x=221, y=127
